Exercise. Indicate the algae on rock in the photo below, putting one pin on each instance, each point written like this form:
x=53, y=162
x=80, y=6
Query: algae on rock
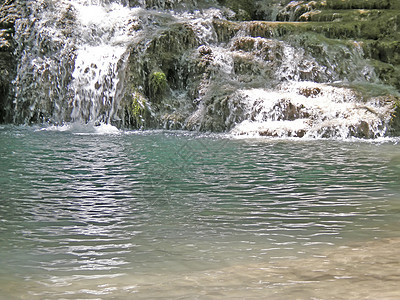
x=157, y=85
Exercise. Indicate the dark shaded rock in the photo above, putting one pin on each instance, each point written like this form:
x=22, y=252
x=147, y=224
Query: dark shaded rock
x=395, y=121
x=244, y=9
x=8, y=14
x=361, y=130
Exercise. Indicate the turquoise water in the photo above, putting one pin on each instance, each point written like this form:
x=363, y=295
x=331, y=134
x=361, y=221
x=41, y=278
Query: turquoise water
x=145, y=215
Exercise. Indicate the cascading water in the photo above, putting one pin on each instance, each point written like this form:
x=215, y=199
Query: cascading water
x=310, y=94
x=293, y=86
x=100, y=57
x=184, y=65
x=73, y=55
x=307, y=109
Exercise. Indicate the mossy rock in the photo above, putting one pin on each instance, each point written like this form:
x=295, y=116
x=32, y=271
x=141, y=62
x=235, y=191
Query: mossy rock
x=359, y=4
x=157, y=85
x=395, y=120
x=271, y=29
x=9, y=12
x=225, y=29
x=387, y=51
x=139, y=111
x=266, y=49
x=329, y=15
x=388, y=73
x=244, y=9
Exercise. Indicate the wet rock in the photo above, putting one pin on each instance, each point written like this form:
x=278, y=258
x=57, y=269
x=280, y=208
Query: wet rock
x=310, y=92
x=360, y=130
x=244, y=9
x=394, y=129
x=163, y=67
x=266, y=49
x=9, y=12
x=225, y=30
x=296, y=9
x=273, y=133
x=206, y=57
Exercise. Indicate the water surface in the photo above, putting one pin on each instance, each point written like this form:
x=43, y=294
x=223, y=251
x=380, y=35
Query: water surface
x=177, y=214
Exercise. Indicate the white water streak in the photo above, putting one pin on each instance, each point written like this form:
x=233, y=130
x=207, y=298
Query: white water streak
x=105, y=36
x=311, y=110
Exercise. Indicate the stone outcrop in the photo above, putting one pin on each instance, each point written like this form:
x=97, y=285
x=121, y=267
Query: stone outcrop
x=319, y=41
x=375, y=24
x=8, y=14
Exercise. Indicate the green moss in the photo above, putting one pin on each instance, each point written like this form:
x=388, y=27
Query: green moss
x=158, y=84
x=368, y=19
x=359, y=4
x=388, y=73
x=388, y=51
x=138, y=109
x=351, y=15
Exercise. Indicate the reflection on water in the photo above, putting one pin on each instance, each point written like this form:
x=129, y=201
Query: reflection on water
x=173, y=215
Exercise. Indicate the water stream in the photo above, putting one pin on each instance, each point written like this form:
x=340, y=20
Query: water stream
x=73, y=55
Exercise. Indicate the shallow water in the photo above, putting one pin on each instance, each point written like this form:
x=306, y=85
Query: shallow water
x=106, y=214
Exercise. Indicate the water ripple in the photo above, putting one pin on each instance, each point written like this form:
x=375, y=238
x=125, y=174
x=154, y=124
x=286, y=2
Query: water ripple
x=97, y=206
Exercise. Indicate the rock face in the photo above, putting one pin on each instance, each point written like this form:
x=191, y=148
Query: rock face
x=209, y=64
x=322, y=42
x=8, y=14
x=374, y=24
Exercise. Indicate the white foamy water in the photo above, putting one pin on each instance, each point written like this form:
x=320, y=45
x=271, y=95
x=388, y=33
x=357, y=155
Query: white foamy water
x=73, y=55
x=95, y=83
x=101, y=56
x=84, y=129
x=202, y=23
x=306, y=109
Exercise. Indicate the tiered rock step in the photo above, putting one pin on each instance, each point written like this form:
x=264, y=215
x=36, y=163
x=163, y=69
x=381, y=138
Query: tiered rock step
x=372, y=24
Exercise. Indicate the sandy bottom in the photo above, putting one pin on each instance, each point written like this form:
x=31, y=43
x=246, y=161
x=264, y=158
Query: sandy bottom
x=368, y=270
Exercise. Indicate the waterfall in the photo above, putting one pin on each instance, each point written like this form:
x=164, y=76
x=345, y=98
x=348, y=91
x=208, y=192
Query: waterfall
x=265, y=83
x=73, y=55
x=308, y=109
x=306, y=93
x=192, y=65
x=100, y=57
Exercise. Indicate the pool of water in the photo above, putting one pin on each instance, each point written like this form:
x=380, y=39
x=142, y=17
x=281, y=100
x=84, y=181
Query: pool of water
x=89, y=214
